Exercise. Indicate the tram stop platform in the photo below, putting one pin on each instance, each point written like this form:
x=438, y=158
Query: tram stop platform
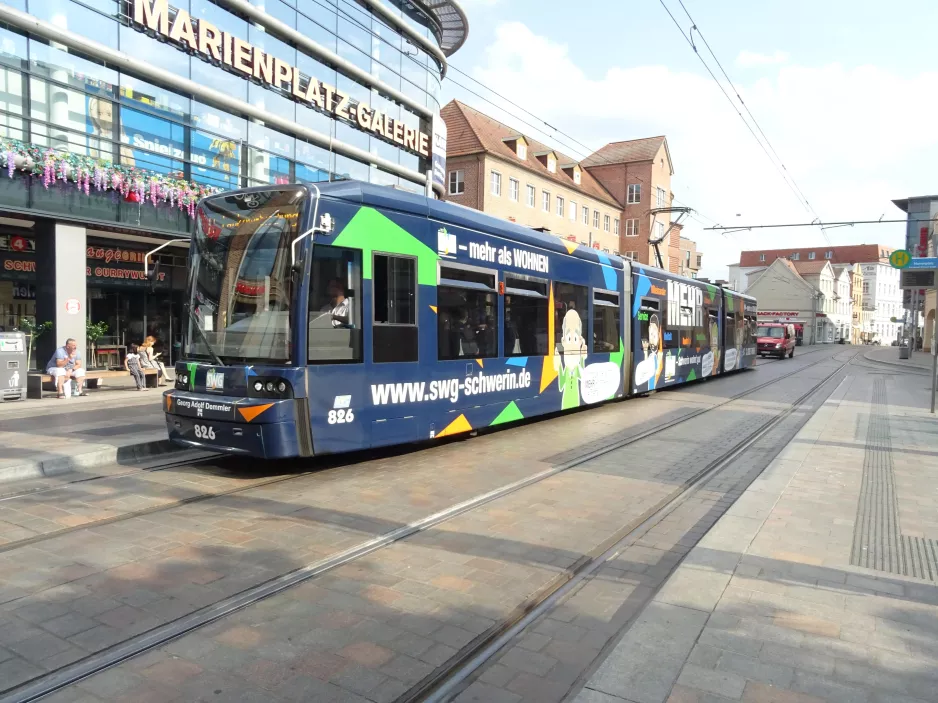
x=41, y=438
x=820, y=583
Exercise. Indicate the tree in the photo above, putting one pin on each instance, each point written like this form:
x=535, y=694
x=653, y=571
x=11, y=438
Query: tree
x=33, y=332
x=94, y=331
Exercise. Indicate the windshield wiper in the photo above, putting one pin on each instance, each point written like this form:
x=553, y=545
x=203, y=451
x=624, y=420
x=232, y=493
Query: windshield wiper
x=198, y=327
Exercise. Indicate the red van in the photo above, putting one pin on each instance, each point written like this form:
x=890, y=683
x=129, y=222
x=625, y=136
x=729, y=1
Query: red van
x=775, y=339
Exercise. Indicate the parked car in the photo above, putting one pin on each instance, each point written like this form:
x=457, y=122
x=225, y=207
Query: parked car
x=775, y=339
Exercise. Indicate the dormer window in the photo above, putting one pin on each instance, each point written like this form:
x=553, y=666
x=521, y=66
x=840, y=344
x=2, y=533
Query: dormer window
x=522, y=150
x=518, y=145
x=552, y=164
x=548, y=159
x=577, y=177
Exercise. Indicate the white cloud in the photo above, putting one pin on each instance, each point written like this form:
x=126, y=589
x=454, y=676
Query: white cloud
x=837, y=129
x=751, y=58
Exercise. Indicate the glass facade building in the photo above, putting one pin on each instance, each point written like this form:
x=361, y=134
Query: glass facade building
x=195, y=94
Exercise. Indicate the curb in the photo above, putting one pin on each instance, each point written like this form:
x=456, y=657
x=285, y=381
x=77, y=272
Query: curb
x=128, y=454
x=897, y=365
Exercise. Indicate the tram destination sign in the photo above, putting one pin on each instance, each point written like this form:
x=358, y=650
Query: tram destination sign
x=233, y=53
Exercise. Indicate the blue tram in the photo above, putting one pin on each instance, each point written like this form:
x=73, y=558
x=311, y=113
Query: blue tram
x=345, y=316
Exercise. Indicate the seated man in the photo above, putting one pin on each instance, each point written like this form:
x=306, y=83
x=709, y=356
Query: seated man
x=65, y=365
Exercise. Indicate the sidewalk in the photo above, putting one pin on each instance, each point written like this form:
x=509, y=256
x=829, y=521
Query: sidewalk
x=819, y=584
x=52, y=436
x=890, y=355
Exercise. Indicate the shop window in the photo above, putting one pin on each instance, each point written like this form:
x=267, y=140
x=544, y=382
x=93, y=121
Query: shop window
x=394, y=285
x=570, y=298
x=265, y=168
x=606, y=334
x=467, y=313
x=335, y=308
x=526, y=311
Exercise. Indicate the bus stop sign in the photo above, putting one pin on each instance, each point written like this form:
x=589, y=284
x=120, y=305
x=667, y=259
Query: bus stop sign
x=900, y=258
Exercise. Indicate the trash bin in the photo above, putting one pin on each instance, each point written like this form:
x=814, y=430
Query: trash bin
x=12, y=365
x=905, y=352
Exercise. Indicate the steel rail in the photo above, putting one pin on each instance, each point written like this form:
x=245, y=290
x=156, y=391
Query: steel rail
x=58, y=679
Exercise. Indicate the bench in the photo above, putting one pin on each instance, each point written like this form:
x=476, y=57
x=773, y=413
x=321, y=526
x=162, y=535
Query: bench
x=37, y=382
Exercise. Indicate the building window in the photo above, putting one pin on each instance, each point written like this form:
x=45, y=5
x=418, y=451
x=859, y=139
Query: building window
x=457, y=182
x=586, y=215
x=661, y=197
x=522, y=150
x=496, y=183
x=635, y=193
x=631, y=228
x=514, y=186
x=606, y=223
x=630, y=255
x=828, y=254
x=699, y=257
x=530, y=197
x=552, y=164
x=545, y=201
x=394, y=293
x=596, y=219
x=526, y=315
x=795, y=256
x=559, y=206
x=572, y=211
x=687, y=258
x=761, y=257
x=467, y=315
x=811, y=255
x=577, y=177
x=615, y=226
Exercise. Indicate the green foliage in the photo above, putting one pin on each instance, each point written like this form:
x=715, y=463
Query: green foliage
x=95, y=330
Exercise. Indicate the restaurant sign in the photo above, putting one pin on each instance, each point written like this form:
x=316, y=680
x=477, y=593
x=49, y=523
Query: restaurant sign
x=231, y=52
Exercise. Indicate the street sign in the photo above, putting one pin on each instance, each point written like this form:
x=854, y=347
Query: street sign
x=925, y=263
x=900, y=258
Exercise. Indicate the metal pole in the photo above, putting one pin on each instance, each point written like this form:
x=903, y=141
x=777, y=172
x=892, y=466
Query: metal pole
x=428, y=191
x=934, y=372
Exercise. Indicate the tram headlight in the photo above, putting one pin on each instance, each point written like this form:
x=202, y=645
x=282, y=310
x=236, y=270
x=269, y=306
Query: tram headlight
x=269, y=387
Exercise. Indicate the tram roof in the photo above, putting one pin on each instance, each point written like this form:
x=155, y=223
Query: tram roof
x=403, y=201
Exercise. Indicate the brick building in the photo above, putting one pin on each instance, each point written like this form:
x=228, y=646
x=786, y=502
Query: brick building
x=496, y=169
x=638, y=174
x=691, y=259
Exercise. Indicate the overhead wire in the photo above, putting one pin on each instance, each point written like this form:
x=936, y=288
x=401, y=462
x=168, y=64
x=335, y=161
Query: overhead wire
x=783, y=173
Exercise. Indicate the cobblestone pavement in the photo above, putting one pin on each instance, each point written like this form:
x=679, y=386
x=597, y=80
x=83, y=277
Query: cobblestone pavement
x=819, y=583
x=373, y=628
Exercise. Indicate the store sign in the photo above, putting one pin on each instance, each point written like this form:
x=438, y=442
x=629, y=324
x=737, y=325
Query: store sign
x=216, y=46
x=772, y=313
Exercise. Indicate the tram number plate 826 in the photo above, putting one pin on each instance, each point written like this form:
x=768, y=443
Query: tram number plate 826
x=204, y=432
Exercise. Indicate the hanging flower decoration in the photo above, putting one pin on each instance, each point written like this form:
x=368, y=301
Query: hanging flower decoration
x=135, y=185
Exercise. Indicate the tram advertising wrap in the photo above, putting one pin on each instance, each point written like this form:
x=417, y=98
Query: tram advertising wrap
x=407, y=319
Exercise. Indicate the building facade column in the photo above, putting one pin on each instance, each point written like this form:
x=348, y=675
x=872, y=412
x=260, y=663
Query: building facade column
x=61, y=290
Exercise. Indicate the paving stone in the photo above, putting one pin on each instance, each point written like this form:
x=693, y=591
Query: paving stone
x=527, y=661
x=763, y=693
x=479, y=692
x=68, y=625
x=721, y=683
x=755, y=669
x=15, y=671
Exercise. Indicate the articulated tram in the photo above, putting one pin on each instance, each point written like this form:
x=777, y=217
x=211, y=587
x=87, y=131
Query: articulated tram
x=345, y=316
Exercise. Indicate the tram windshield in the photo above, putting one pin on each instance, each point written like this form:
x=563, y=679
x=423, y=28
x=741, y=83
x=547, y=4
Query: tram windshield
x=239, y=276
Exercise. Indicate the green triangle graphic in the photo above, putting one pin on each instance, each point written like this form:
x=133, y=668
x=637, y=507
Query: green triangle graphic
x=509, y=414
x=692, y=375
x=369, y=230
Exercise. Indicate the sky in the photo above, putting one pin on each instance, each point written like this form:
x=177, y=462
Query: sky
x=845, y=90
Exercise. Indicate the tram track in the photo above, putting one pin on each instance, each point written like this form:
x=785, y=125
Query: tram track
x=134, y=646
x=452, y=677
x=210, y=495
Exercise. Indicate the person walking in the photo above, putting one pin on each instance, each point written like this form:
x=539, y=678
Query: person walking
x=150, y=359
x=132, y=364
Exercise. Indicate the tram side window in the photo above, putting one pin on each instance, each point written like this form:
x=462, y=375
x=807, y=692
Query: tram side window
x=394, y=285
x=729, y=330
x=467, y=313
x=526, y=311
x=605, y=322
x=335, y=309
x=570, y=298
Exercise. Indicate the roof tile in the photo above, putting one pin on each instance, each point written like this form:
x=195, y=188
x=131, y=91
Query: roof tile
x=471, y=132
